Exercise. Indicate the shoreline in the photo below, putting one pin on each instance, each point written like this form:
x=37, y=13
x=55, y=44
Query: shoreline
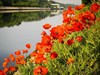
x=14, y=11
x=23, y=8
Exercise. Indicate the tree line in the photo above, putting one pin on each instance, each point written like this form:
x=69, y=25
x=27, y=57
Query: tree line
x=33, y=3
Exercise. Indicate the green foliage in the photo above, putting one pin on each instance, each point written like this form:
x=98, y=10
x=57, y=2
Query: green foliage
x=86, y=55
x=0, y=3
x=86, y=1
x=33, y=3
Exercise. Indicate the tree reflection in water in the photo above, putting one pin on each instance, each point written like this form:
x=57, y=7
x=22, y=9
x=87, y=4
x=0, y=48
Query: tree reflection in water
x=12, y=19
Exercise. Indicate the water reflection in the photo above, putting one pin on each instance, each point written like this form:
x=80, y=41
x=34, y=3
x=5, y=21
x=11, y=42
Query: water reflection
x=28, y=31
x=12, y=19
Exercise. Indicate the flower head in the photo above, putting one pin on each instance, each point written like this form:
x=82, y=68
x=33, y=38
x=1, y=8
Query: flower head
x=95, y=7
x=53, y=55
x=40, y=70
x=46, y=26
x=28, y=46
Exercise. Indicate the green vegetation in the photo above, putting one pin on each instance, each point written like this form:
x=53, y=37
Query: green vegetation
x=0, y=3
x=86, y=1
x=90, y=1
x=33, y=3
x=12, y=19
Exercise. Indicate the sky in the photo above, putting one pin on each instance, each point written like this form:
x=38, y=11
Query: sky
x=76, y=2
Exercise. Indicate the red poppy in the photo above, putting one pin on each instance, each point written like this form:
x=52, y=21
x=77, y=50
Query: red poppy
x=18, y=52
x=24, y=51
x=67, y=20
x=40, y=58
x=34, y=54
x=79, y=38
x=5, y=64
x=70, y=41
x=79, y=7
x=95, y=7
x=6, y=70
x=57, y=32
x=39, y=47
x=28, y=46
x=77, y=26
x=53, y=55
x=46, y=26
x=69, y=29
x=46, y=40
x=47, y=48
x=89, y=16
x=18, y=59
x=22, y=62
x=43, y=33
x=11, y=56
x=7, y=60
x=40, y=70
x=70, y=60
x=2, y=72
x=70, y=10
x=12, y=68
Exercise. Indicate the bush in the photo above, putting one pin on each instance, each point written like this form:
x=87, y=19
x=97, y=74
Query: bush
x=86, y=1
x=0, y=3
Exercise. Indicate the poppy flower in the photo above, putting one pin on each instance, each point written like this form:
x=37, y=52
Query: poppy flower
x=70, y=60
x=43, y=33
x=7, y=60
x=24, y=51
x=17, y=52
x=6, y=70
x=46, y=40
x=53, y=55
x=79, y=7
x=18, y=59
x=70, y=10
x=77, y=26
x=69, y=29
x=67, y=20
x=2, y=72
x=28, y=46
x=79, y=38
x=57, y=32
x=95, y=7
x=47, y=48
x=12, y=68
x=39, y=58
x=39, y=47
x=22, y=62
x=40, y=70
x=70, y=41
x=34, y=54
x=46, y=26
x=5, y=64
x=11, y=56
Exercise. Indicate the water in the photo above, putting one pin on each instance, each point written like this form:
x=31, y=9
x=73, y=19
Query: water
x=18, y=29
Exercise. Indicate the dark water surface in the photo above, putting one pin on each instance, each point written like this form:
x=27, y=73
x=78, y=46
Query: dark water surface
x=18, y=29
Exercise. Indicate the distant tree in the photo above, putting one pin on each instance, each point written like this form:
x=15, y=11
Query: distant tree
x=86, y=1
x=6, y=2
x=0, y=3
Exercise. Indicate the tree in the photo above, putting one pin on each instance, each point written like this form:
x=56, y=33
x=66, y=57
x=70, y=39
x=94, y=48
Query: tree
x=0, y=3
